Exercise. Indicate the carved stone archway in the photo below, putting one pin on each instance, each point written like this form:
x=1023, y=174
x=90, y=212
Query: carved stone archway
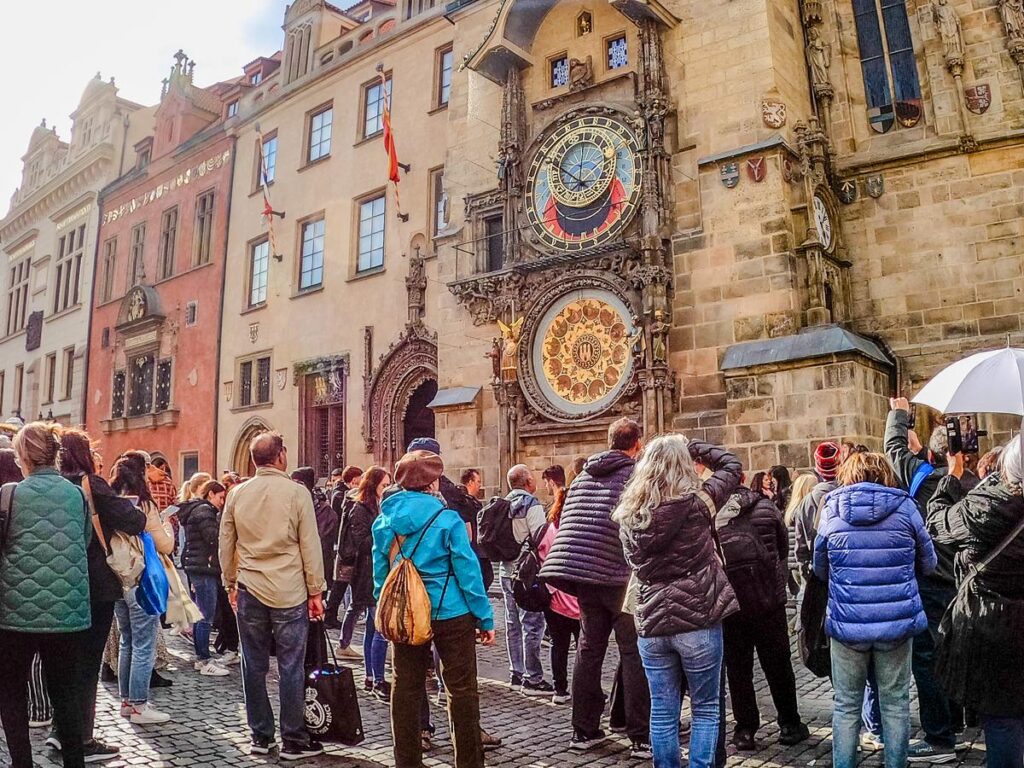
x=407, y=365
x=241, y=461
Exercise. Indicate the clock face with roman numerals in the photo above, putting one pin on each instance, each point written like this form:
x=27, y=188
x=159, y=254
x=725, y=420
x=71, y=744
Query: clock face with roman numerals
x=583, y=186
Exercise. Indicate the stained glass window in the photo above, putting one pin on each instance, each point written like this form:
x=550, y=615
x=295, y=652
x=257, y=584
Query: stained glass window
x=560, y=72
x=163, y=385
x=618, y=53
x=891, y=85
x=117, y=396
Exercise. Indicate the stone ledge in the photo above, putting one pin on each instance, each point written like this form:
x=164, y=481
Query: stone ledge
x=808, y=344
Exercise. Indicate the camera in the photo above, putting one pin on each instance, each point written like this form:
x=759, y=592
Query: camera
x=962, y=434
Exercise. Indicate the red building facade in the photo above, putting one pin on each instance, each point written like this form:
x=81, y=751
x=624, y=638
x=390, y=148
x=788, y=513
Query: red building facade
x=154, y=338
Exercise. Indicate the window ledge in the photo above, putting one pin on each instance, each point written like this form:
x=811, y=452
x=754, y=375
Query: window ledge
x=314, y=163
x=168, y=418
x=260, y=189
x=368, y=139
x=14, y=335
x=254, y=308
x=373, y=272
x=307, y=291
x=253, y=407
x=186, y=272
x=438, y=108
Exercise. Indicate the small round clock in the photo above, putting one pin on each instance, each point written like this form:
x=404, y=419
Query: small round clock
x=583, y=186
x=823, y=222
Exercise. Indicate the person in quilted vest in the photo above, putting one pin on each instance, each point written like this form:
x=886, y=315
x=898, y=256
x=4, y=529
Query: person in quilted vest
x=44, y=596
x=684, y=593
x=871, y=546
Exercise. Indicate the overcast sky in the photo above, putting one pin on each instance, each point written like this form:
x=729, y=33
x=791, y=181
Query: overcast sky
x=49, y=49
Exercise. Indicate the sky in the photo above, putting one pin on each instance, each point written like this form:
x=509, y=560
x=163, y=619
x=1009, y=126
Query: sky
x=50, y=49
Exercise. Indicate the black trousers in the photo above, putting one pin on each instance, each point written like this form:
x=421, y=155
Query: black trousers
x=563, y=630
x=600, y=615
x=769, y=636
x=62, y=655
x=334, y=598
x=94, y=640
x=455, y=640
x=225, y=623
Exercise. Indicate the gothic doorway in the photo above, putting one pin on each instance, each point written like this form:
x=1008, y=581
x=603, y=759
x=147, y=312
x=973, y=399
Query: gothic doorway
x=419, y=419
x=241, y=461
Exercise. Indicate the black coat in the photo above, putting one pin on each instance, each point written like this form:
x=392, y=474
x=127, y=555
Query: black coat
x=587, y=548
x=766, y=519
x=202, y=532
x=981, y=660
x=360, y=522
x=683, y=584
x=468, y=507
x=116, y=513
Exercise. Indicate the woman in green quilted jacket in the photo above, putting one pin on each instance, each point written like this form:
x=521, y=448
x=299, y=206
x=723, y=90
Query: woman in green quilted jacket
x=44, y=595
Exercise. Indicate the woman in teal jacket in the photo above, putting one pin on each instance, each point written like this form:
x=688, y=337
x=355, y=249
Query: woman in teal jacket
x=460, y=608
x=44, y=596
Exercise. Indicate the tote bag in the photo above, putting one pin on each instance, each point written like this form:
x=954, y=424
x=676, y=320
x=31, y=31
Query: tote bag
x=153, y=585
x=332, y=709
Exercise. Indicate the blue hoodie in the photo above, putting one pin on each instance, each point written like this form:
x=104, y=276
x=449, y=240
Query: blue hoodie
x=870, y=547
x=445, y=549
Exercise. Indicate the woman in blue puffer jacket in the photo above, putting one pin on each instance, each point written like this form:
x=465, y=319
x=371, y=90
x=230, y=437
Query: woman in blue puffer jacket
x=870, y=547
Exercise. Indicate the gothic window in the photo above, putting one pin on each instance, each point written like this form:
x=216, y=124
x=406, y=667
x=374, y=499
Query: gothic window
x=259, y=267
x=141, y=371
x=163, y=386
x=117, y=395
x=137, y=265
x=320, y=124
x=374, y=95
x=204, y=229
x=891, y=85
x=371, y=234
x=70, y=248
x=311, y=266
x=17, y=296
x=109, y=269
x=168, y=234
x=618, y=52
x=560, y=72
x=493, y=238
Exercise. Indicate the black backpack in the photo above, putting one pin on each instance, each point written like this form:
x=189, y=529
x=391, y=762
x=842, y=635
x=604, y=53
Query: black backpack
x=494, y=538
x=750, y=567
x=529, y=590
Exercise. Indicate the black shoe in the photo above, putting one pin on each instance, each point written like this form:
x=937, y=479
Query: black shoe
x=382, y=691
x=98, y=752
x=543, y=688
x=107, y=674
x=261, y=746
x=515, y=681
x=157, y=681
x=584, y=742
x=639, y=749
x=793, y=734
x=744, y=741
x=301, y=752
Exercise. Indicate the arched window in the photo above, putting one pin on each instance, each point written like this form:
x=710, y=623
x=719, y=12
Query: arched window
x=891, y=84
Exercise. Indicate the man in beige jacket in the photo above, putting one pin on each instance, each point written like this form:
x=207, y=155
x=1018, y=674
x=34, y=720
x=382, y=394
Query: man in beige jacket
x=273, y=570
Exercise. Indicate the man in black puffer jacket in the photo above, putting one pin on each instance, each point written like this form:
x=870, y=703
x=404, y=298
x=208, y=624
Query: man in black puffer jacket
x=586, y=560
x=761, y=627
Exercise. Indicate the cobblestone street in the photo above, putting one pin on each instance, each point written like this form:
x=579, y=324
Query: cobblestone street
x=208, y=726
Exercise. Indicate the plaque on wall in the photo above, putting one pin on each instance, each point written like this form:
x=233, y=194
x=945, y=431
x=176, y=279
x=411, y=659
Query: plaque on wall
x=34, y=331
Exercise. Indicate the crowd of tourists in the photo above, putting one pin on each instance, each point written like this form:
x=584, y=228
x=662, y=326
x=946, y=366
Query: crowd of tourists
x=905, y=565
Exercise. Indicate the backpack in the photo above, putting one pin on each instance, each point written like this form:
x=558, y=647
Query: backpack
x=403, y=610
x=750, y=567
x=529, y=590
x=494, y=537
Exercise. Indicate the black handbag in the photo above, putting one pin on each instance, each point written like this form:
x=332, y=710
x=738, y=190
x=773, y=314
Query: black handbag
x=812, y=640
x=332, y=709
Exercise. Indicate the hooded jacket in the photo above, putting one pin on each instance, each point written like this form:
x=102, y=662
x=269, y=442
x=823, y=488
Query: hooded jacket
x=360, y=533
x=202, y=531
x=683, y=585
x=441, y=553
x=587, y=548
x=870, y=547
x=805, y=522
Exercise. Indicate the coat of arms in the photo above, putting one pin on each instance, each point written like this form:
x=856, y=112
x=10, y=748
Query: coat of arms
x=847, y=191
x=757, y=169
x=773, y=113
x=730, y=173
x=979, y=98
x=254, y=332
x=875, y=185
x=281, y=378
x=34, y=331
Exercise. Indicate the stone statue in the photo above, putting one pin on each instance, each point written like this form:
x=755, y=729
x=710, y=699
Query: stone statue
x=581, y=74
x=416, y=286
x=659, y=335
x=950, y=30
x=1012, y=12
x=819, y=56
x=495, y=357
x=510, y=350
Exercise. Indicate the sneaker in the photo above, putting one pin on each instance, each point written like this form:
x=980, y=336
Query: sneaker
x=98, y=752
x=639, y=749
x=211, y=669
x=515, y=681
x=922, y=752
x=583, y=742
x=143, y=714
x=442, y=697
x=40, y=723
x=261, y=746
x=543, y=688
x=382, y=691
x=297, y=752
x=489, y=743
x=561, y=697
x=229, y=657
x=791, y=735
x=869, y=742
x=126, y=709
x=52, y=742
x=348, y=652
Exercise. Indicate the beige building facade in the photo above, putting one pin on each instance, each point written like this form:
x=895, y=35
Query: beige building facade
x=48, y=246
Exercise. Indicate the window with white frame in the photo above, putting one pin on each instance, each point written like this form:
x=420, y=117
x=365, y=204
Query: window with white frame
x=70, y=248
x=311, y=266
x=371, y=234
x=445, y=60
x=17, y=296
x=320, y=124
x=259, y=267
x=374, y=101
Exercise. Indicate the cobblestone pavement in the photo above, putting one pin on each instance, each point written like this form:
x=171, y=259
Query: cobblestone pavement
x=208, y=726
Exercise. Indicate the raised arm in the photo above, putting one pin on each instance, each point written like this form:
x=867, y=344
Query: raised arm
x=726, y=468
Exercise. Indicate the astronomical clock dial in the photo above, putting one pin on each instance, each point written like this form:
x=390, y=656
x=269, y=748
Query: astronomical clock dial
x=583, y=186
x=823, y=223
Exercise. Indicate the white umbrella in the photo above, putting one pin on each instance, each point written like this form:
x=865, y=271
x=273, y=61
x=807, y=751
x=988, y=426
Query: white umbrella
x=988, y=382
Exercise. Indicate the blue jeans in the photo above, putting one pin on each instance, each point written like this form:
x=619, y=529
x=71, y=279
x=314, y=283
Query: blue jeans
x=1004, y=741
x=666, y=659
x=849, y=676
x=871, y=712
x=137, y=652
x=524, y=631
x=289, y=628
x=375, y=647
x=204, y=589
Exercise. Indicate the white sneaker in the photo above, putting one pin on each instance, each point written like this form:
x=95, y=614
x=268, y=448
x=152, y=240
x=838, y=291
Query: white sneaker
x=126, y=709
x=211, y=669
x=229, y=657
x=143, y=714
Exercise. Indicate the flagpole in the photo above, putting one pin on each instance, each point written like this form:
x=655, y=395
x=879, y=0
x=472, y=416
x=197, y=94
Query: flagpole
x=268, y=209
x=389, y=144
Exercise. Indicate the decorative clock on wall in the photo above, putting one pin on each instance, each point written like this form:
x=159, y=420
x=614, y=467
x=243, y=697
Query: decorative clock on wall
x=583, y=186
x=823, y=222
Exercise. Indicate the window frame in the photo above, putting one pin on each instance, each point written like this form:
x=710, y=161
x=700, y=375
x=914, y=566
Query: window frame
x=19, y=387
x=369, y=199
x=70, y=251
x=364, y=106
x=168, y=241
x=50, y=380
x=232, y=108
x=884, y=122
x=437, y=197
x=442, y=99
x=309, y=221
x=202, y=236
x=109, y=269
x=311, y=117
x=17, y=295
x=606, y=50
x=137, y=255
x=253, y=361
x=257, y=182
x=69, y=373
x=550, y=70
x=251, y=247
x=485, y=222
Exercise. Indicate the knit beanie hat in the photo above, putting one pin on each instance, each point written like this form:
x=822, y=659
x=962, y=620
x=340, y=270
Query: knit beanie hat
x=418, y=469
x=424, y=444
x=826, y=461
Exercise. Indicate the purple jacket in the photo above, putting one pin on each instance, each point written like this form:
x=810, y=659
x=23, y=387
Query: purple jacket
x=870, y=548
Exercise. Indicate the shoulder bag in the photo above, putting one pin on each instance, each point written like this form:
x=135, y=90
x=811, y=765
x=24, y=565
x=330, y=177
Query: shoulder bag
x=125, y=555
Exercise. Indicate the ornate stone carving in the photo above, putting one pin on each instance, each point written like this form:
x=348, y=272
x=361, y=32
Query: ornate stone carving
x=819, y=57
x=511, y=336
x=326, y=366
x=510, y=157
x=1012, y=13
x=947, y=22
x=581, y=74
x=416, y=287
x=652, y=100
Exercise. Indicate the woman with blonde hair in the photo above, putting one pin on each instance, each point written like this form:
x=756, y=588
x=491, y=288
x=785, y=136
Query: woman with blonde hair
x=802, y=487
x=666, y=519
x=44, y=596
